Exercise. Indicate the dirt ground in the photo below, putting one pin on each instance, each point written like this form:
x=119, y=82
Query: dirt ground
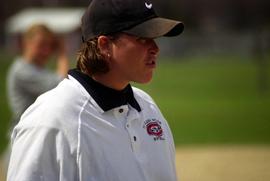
x=2, y=173
x=220, y=163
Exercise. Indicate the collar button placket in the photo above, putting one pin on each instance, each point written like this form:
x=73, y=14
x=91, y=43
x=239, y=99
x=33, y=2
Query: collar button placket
x=120, y=113
x=132, y=126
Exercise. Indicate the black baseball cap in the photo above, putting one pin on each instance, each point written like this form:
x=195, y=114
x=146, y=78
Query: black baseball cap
x=135, y=17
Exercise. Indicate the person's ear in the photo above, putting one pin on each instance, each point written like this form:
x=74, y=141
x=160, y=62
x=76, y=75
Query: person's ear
x=104, y=45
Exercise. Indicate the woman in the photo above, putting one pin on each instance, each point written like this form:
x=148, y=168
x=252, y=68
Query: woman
x=94, y=125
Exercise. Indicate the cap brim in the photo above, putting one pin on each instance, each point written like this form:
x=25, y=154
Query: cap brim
x=157, y=27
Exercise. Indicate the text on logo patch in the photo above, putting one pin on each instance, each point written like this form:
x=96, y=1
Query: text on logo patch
x=153, y=128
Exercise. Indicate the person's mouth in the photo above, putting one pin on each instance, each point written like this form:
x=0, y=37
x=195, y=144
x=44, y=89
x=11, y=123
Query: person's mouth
x=151, y=64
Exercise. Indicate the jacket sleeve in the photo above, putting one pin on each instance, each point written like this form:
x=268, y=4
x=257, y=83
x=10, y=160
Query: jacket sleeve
x=41, y=154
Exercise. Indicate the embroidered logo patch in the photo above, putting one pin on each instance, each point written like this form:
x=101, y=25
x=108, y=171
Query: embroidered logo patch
x=153, y=128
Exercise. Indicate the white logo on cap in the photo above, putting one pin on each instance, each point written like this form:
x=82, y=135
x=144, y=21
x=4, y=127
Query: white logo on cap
x=149, y=6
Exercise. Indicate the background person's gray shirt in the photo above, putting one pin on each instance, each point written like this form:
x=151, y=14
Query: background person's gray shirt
x=25, y=82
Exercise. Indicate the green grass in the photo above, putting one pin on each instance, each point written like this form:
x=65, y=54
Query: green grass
x=5, y=117
x=207, y=100
x=213, y=101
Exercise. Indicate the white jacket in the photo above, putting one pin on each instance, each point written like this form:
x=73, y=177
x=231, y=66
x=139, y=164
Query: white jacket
x=66, y=136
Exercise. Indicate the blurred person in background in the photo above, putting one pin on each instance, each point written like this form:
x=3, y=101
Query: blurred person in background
x=28, y=76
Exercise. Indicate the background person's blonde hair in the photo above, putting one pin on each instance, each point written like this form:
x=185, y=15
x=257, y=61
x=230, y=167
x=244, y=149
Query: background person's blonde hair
x=35, y=29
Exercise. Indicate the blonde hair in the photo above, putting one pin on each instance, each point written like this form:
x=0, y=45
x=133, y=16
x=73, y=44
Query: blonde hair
x=35, y=29
x=90, y=60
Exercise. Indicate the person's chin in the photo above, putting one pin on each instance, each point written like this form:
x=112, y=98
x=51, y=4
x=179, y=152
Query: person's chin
x=146, y=79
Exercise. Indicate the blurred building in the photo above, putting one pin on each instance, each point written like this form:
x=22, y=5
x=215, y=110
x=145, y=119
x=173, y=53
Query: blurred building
x=211, y=26
x=62, y=21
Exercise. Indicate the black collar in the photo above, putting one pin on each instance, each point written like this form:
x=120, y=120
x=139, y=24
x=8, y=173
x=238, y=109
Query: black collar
x=107, y=98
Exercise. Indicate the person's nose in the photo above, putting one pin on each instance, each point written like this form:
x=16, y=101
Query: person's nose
x=154, y=49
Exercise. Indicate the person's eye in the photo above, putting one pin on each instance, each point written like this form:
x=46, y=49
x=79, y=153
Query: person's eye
x=142, y=40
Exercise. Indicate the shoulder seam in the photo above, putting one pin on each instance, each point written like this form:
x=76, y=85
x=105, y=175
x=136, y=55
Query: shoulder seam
x=79, y=130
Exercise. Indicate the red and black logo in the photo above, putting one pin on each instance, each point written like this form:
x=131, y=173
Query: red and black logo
x=153, y=128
